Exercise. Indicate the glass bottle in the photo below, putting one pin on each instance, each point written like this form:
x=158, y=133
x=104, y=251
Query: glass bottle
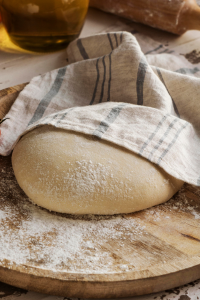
x=43, y=25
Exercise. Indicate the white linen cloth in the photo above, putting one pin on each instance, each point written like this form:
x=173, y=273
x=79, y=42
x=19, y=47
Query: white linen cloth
x=149, y=104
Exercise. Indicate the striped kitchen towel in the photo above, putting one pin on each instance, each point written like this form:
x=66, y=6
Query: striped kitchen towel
x=111, y=90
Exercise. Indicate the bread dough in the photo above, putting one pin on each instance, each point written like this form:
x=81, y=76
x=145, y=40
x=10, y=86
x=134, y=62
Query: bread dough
x=73, y=173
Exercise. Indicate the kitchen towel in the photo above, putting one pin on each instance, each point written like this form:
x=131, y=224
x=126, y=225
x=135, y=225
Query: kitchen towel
x=148, y=103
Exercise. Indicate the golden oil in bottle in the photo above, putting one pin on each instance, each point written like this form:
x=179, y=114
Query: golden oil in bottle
x=43, y=25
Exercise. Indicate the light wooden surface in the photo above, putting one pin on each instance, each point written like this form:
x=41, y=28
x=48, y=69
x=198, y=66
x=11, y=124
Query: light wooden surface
x=18, y=67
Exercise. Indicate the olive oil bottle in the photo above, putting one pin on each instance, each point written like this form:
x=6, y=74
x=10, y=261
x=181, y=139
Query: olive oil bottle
x=43, y=25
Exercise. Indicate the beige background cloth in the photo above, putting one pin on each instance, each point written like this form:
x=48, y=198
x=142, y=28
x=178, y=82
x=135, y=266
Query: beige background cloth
x=148, y=103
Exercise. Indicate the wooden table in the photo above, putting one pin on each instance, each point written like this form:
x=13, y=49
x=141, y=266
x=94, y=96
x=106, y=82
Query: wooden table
x=18, y=67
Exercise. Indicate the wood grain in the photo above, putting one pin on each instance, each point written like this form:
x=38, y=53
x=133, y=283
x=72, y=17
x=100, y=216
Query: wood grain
x=8, y=97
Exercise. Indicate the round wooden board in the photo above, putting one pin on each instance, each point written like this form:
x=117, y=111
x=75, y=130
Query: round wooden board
x=97, y=256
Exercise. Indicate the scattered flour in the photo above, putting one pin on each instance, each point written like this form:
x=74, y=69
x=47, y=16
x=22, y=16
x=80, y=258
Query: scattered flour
x=34, y=237
x=179, y=203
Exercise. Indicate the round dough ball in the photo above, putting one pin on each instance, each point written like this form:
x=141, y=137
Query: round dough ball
x=74, y=173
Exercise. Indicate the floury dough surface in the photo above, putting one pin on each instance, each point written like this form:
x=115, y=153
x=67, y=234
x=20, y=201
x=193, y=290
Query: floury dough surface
x=77, y=174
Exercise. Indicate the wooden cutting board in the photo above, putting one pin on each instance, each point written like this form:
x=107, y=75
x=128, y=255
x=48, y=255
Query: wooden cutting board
x=97, y=256
x=7, y=98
